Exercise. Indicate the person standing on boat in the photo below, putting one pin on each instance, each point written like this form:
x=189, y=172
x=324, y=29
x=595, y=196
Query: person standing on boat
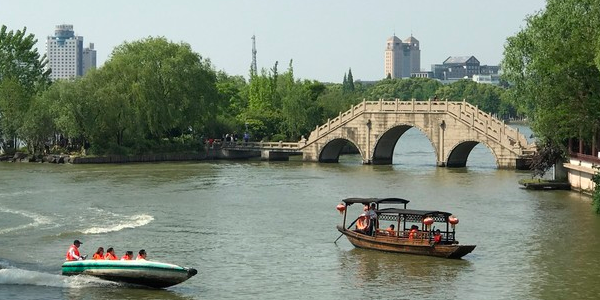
x=141, y=255
x=128, y=256
x=73, y=252
x=110, y=254
x=372, y=215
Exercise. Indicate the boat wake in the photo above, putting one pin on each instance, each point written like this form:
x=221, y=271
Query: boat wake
x=120, y=222
x=15, y=276
x=37, y=220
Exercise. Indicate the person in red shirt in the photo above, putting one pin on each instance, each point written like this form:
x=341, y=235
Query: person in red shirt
x=437, y=237
x=99, y=254
x=110, y=254
x=73, y=252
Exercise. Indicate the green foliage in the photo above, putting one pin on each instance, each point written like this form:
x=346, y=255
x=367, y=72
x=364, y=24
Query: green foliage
x=550, y=66
x=596, y=192
x=22, y=76
x=547, y=155
x=20, y=60
x=348, y=83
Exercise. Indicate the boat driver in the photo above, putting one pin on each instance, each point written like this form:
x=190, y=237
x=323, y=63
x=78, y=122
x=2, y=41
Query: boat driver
x=73, y=252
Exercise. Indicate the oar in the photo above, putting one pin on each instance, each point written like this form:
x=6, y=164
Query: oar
x=348, y=228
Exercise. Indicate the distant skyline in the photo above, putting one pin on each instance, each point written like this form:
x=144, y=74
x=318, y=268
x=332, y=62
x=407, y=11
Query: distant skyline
x=323, y=38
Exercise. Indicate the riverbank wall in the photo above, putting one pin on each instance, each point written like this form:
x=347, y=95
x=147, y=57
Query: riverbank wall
x=579, y=173
x=208, y=154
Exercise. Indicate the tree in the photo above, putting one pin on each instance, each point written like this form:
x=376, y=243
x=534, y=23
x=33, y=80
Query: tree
x=169, y=88
x=550, y=67
x=22, y=75
x=348, y=84
x=19, y=59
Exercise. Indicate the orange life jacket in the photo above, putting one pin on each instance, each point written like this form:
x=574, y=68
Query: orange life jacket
x=139, y=257
x=412, y=234
x=390, y=231
x=362, y=223
x=75, y=251
x=437, y=238
x=110, y=256
x=126, y=257
x=97, y=256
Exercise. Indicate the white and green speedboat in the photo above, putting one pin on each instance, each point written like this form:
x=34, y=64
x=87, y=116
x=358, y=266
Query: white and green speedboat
x=142, y=272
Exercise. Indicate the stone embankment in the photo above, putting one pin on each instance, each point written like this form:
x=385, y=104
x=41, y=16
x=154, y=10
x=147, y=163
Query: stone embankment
x=112, y=159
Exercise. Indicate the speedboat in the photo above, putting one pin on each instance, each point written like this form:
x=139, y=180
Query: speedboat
x=141, y=272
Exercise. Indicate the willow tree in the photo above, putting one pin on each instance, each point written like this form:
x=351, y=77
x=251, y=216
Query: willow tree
x=169, y=88
x=551, y=67
x=23, y=74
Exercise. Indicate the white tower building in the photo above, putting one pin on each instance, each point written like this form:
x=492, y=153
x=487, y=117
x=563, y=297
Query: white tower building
x=66, y=54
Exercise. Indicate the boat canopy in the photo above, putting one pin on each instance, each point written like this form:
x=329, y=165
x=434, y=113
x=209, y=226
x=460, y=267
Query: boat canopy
x=411, y=215
x=367, y=201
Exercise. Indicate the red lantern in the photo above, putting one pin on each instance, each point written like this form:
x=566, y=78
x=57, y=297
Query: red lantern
x=428, y=221
x=453, y=220
x=341, y=207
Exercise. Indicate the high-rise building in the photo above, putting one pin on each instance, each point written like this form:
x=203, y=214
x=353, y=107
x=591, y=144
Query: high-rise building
x=402, y=58
x=89, y=58
x=65, y=54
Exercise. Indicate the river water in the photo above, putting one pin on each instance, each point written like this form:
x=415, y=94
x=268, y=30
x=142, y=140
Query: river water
x=266, y=230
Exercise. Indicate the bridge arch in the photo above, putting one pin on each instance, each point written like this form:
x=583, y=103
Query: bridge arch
x=383, y=151
x=331, y=150
x=459, y=153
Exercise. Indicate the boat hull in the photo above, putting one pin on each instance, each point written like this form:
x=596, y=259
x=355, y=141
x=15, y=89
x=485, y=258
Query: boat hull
x=141, y=272
x=403, y=245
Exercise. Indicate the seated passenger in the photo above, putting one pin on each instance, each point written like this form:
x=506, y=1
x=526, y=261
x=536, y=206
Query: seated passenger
x=141, y=255
x=362, y=224
x=414, y=230
x=437, y=237
x=128, y=256
x=110, y=254
x=99, y=254
x=390, y=230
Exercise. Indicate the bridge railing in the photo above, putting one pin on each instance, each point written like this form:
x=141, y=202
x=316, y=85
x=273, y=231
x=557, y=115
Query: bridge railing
x=240, y=145
x=487, y=124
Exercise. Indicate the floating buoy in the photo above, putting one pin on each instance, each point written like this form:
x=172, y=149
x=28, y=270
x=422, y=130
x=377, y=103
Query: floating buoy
x=341, y=207
x=428, y=221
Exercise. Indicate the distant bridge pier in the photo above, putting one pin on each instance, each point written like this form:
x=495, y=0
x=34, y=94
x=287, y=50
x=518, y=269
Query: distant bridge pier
x=274, y=155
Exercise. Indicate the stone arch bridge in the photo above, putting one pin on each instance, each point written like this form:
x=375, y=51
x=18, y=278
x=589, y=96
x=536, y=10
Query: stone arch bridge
x=454, y=128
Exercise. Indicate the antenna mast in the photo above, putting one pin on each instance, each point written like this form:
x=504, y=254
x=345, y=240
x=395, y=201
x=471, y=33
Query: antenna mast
x=253, y=68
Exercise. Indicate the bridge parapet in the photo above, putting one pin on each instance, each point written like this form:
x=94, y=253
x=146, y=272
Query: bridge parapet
x=273, y=146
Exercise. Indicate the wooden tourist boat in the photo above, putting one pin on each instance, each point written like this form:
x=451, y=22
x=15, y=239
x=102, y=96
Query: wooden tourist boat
x=403, y=240
x=142, y=272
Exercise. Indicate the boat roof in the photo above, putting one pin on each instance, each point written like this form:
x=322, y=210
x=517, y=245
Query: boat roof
x=366, y=201
x=414, y=212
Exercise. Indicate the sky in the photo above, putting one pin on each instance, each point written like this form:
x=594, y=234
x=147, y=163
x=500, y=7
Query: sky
x=324, y=38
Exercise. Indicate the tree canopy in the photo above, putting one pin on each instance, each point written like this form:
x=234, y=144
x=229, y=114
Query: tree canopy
x=553, y=68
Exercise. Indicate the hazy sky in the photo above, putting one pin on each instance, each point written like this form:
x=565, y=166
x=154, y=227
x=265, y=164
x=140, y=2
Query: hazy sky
x=323, y=37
